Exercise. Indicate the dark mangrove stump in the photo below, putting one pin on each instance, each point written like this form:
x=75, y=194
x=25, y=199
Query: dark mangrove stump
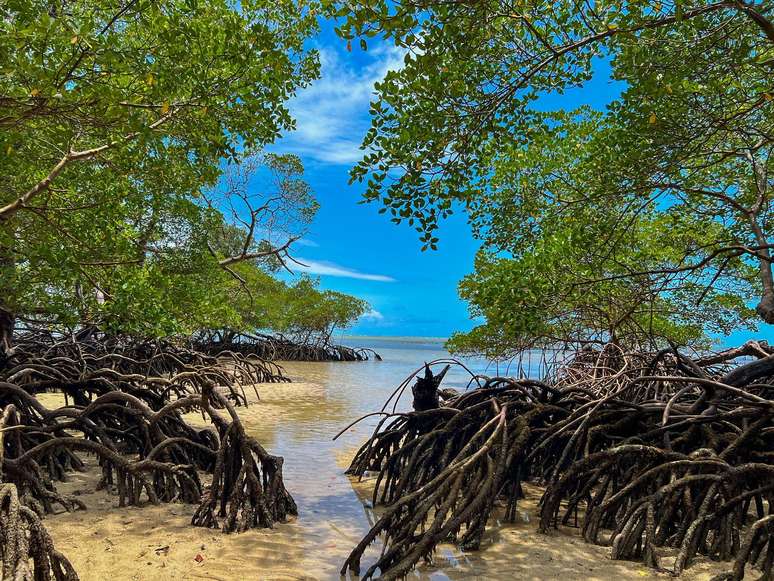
x=425, y=390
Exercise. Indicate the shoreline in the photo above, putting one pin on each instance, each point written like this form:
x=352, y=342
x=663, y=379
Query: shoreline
x=158, y=542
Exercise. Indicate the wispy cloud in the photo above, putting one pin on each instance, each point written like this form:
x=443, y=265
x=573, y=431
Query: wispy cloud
x=325, y=268
x=372, y=316
x=332, y=115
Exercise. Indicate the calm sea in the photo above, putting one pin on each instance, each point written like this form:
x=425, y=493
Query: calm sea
x=403, y=355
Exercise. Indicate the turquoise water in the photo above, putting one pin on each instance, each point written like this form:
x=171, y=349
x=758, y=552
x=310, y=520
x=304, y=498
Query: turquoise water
x=402, y=355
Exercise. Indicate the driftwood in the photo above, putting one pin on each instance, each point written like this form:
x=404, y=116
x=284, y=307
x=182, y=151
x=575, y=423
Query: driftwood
x=643, y=451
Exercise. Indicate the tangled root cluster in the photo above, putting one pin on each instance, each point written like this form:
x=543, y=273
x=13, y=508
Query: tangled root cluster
x=651, y=454
x=124, y=406
x=26, y=549
x=280, y=348
x=96, y=363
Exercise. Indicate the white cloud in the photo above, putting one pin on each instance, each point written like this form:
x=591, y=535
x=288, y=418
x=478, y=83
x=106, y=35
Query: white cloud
x=372, y=316
x=332, y=269
x=332, y=115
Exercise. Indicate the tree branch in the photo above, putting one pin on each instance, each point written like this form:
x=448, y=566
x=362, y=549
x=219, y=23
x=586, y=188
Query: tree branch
x=10, y=209
x=244, y=255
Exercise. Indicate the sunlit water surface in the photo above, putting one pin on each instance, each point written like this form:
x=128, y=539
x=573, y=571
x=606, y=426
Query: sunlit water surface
x=334, y=512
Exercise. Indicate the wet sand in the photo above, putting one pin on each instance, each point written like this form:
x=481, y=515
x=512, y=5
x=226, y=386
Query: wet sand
x=297, y=421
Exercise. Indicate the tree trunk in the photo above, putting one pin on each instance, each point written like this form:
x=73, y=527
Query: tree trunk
x=7, y=323
x=7, y=281
x=765, y=308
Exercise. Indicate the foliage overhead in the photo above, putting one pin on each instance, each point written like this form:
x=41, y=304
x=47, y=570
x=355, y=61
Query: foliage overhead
x=116, y=206
x=647, y=222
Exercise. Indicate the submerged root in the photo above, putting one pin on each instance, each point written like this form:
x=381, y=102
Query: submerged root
x=452, y=504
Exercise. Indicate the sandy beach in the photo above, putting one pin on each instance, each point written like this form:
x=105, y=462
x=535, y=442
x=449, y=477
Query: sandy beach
x=297, y=420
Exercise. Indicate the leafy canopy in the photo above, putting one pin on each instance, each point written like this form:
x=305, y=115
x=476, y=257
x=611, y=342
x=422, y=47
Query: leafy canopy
x=645, y=223
x=115, y=119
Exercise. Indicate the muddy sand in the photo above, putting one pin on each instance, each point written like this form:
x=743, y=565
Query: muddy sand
x=297, y=420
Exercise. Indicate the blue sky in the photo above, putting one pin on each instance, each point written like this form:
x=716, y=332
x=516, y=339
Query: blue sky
x=350, y=246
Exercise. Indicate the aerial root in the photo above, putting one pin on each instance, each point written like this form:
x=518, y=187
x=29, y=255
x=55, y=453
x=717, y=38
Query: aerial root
x=26, y=549
x=153, y=370
x=641, y=452
x=247, y=489
x=124, y=407
x=278, y=347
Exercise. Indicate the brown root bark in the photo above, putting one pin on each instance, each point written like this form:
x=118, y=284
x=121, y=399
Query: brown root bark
x=247, y=489
x=26, y=550
x=128, y=398
x=643, y=451
x=278, y=347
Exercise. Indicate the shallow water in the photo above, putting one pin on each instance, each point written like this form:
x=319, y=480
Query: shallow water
x=297, y=421
x=301, y=419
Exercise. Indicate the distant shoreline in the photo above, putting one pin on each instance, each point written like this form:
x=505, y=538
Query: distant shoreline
x=395, y=338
